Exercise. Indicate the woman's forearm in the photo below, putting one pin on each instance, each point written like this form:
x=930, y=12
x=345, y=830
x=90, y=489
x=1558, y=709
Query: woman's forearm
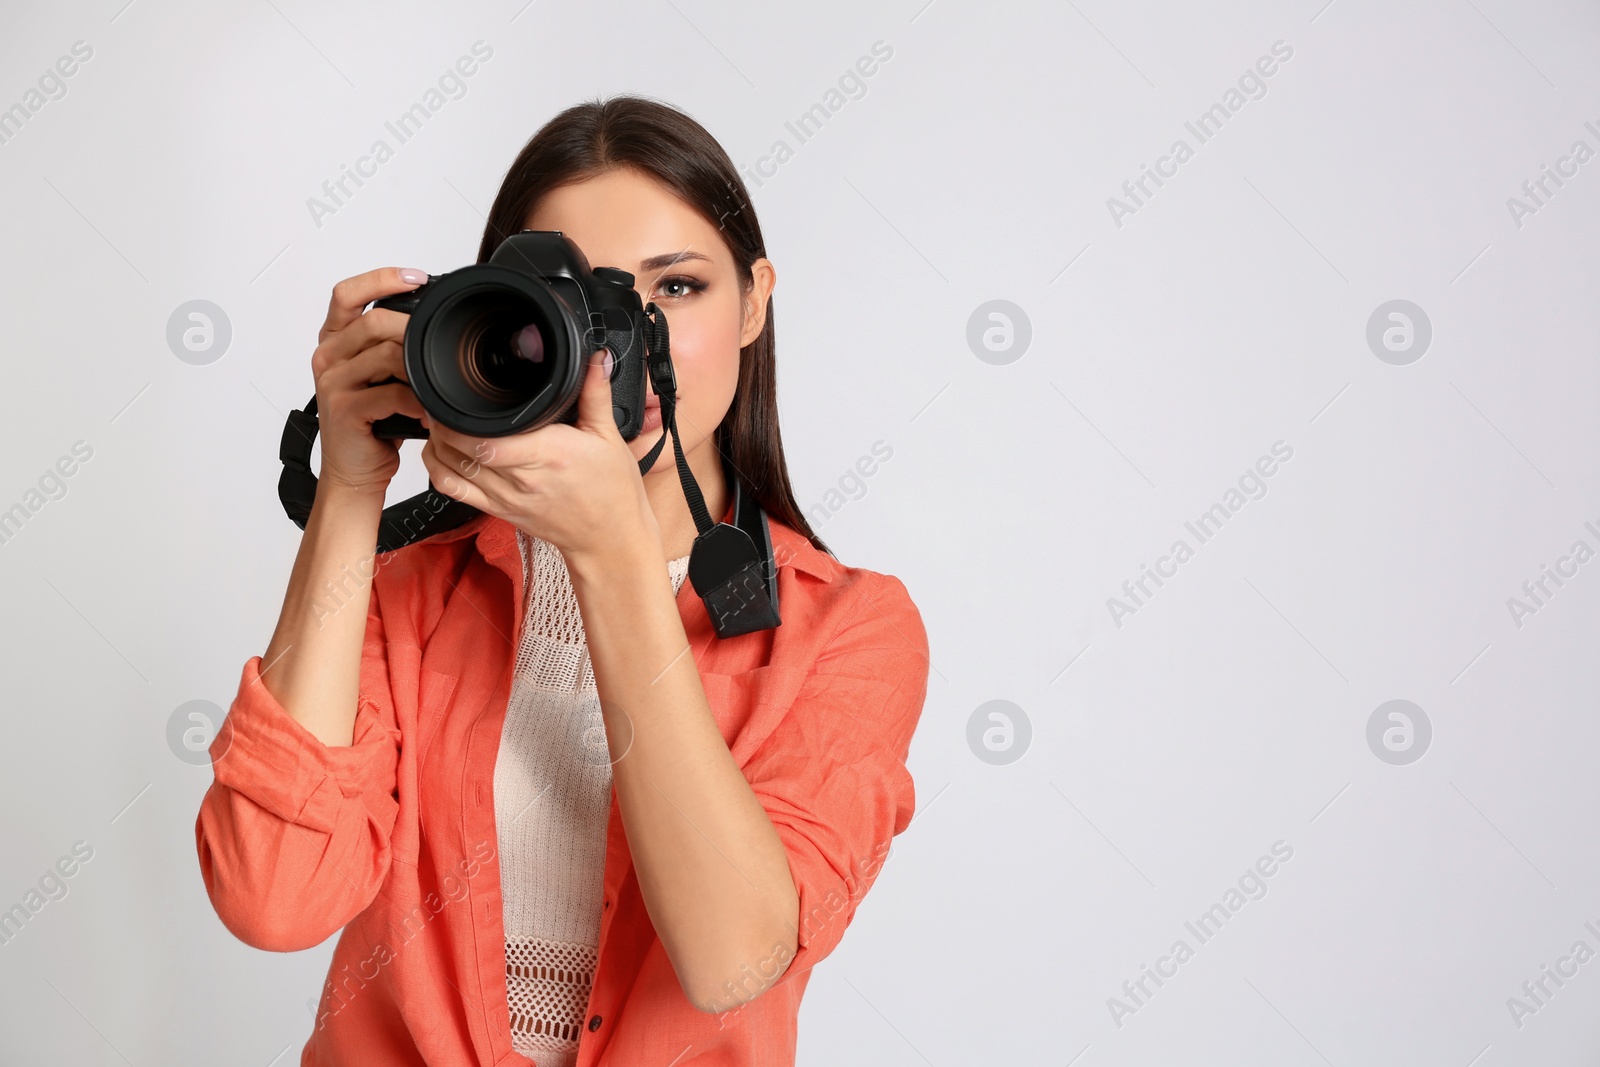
x=712, y=870
x=313, y=664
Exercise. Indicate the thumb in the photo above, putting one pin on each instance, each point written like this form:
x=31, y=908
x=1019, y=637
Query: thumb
x=594, y=402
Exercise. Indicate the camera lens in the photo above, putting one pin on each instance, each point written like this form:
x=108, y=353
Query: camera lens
x=499, y=350
x=494, y=351
x=499, y=360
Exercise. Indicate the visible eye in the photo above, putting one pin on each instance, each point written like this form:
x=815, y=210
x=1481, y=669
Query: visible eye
x=686, y=286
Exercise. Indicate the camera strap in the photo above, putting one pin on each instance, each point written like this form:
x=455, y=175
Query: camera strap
x=731, y=566
x=428, y=513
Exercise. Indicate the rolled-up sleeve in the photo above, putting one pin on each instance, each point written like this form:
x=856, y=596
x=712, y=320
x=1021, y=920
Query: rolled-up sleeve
x=293, y=835
x=832, y=776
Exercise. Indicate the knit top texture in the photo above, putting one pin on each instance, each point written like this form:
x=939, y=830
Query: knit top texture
x=552, y=794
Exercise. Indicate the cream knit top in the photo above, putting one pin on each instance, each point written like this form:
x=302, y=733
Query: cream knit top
x=552, y=794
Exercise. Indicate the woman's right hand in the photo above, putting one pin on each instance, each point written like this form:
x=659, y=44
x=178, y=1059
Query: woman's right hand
x=354, y=352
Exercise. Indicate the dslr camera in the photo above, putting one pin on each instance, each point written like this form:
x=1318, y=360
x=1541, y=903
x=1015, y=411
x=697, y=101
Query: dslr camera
x=501, y=347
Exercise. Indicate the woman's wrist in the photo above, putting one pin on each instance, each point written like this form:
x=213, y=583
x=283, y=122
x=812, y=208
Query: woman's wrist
x=333, y=495
x=629, y=549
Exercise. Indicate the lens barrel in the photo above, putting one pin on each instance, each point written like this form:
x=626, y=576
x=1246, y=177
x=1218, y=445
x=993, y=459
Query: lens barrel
x=492, y=351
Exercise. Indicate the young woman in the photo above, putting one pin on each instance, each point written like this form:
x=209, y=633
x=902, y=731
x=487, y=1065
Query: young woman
x=558, y=820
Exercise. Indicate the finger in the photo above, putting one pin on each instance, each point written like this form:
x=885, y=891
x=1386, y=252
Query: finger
x=476, y=465
x=384, y=360
x=594, y=402
x=484, y=450
x=446, y=481
x=353, y=294
x=458, y=443
x=379, y=324
x=381, y=401
x=467, y=482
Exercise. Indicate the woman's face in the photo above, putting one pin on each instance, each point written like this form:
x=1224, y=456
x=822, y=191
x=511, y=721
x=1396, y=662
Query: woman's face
x=626, y=219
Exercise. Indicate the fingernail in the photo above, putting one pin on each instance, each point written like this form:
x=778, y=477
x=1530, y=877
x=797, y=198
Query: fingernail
x=608, y=364
x=413, y=276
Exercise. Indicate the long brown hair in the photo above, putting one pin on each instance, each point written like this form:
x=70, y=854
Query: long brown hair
x=597, y=136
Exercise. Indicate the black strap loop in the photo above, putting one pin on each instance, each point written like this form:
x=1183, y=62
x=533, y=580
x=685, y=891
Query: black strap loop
x=417, y=517
x=658, y=344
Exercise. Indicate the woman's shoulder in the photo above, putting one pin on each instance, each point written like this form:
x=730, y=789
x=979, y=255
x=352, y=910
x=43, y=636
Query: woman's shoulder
x=793, y=550
x=839, y=599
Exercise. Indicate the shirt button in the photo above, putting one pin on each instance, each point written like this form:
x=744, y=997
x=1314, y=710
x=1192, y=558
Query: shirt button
x=594, y=1023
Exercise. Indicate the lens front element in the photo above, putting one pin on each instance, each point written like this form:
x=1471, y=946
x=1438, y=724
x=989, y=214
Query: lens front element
x=493, y=355
x=500, y=352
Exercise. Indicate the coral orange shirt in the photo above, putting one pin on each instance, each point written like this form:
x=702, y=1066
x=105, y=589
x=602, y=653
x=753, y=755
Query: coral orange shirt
x=393, y=838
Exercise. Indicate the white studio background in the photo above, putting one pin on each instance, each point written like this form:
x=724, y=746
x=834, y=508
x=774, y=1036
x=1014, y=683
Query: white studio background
x=1429, y=460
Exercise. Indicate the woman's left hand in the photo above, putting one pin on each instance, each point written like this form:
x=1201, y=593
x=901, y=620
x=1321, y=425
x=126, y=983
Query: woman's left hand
x=576, y=487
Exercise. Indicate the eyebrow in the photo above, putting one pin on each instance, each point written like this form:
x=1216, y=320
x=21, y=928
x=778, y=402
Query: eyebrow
x=662, y=262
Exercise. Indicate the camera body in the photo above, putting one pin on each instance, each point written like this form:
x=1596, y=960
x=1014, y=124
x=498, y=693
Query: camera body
x=501, y=347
